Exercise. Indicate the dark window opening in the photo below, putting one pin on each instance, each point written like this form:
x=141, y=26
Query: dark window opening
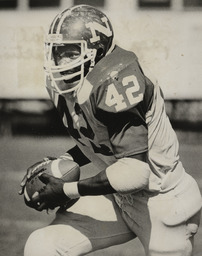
x=193, y=3
x=43, y=3
x=98, y=3
x=8, y=4
x=154, y=3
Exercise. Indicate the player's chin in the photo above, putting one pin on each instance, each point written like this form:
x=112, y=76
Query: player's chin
x=72, y=81
x=69, y=84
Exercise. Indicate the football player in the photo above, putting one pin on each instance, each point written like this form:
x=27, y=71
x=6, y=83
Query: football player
x=116, y=116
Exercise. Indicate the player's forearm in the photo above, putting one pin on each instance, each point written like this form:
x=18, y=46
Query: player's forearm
x=96, y=185
x=127, y=175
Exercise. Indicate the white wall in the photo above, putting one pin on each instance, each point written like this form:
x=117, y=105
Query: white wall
x=168, y=42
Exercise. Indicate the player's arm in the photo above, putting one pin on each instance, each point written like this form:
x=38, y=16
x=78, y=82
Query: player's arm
x=127, y=175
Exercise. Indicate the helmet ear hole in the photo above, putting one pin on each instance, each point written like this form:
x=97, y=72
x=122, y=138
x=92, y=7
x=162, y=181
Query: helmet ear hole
x=100, y=52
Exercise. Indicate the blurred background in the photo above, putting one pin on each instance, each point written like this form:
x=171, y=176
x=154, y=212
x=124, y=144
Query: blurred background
x=166, y=35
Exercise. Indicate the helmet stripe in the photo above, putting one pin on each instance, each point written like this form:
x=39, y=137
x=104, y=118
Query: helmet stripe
x=53, y=24
x=64, y=14
x=60, y=22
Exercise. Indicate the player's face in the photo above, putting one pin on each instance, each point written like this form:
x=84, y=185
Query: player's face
x=64, y=55
x=68, y=65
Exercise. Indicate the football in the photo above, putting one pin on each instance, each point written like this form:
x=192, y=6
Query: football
x=62, y=168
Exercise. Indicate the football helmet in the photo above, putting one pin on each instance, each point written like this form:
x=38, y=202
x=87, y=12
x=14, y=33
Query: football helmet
x=77, y=39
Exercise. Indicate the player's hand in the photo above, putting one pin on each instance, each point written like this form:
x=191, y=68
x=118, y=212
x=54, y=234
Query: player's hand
x=52, y=195
x=30, y=171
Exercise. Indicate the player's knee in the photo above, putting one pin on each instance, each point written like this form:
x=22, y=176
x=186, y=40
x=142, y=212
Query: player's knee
x=30, y=246
x=56, y=241
x=36, y=244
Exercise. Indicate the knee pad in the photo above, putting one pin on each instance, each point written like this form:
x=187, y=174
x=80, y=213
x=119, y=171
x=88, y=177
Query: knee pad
x=56, y=240
x=36, y=244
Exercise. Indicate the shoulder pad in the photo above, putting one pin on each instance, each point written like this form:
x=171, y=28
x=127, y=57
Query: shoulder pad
x=118, y=82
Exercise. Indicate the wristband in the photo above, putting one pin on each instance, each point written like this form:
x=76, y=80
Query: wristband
x=71, y=190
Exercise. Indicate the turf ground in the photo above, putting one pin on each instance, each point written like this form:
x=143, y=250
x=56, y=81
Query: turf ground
x=17, y=221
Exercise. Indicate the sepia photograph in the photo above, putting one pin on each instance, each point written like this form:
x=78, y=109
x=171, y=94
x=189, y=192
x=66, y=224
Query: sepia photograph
x=101, y=127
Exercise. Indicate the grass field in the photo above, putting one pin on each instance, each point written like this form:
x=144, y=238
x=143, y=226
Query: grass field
x=18, y=221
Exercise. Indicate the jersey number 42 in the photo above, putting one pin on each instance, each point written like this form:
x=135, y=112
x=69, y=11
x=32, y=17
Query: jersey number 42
x=129, y=94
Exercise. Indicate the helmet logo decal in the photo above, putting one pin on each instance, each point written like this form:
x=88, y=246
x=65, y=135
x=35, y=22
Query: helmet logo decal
x=94, y=26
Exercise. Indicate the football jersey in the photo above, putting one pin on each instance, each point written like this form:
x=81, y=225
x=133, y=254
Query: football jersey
x=118, y=112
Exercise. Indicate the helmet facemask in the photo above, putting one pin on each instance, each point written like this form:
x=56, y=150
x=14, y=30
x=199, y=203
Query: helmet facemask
x=67, y=63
